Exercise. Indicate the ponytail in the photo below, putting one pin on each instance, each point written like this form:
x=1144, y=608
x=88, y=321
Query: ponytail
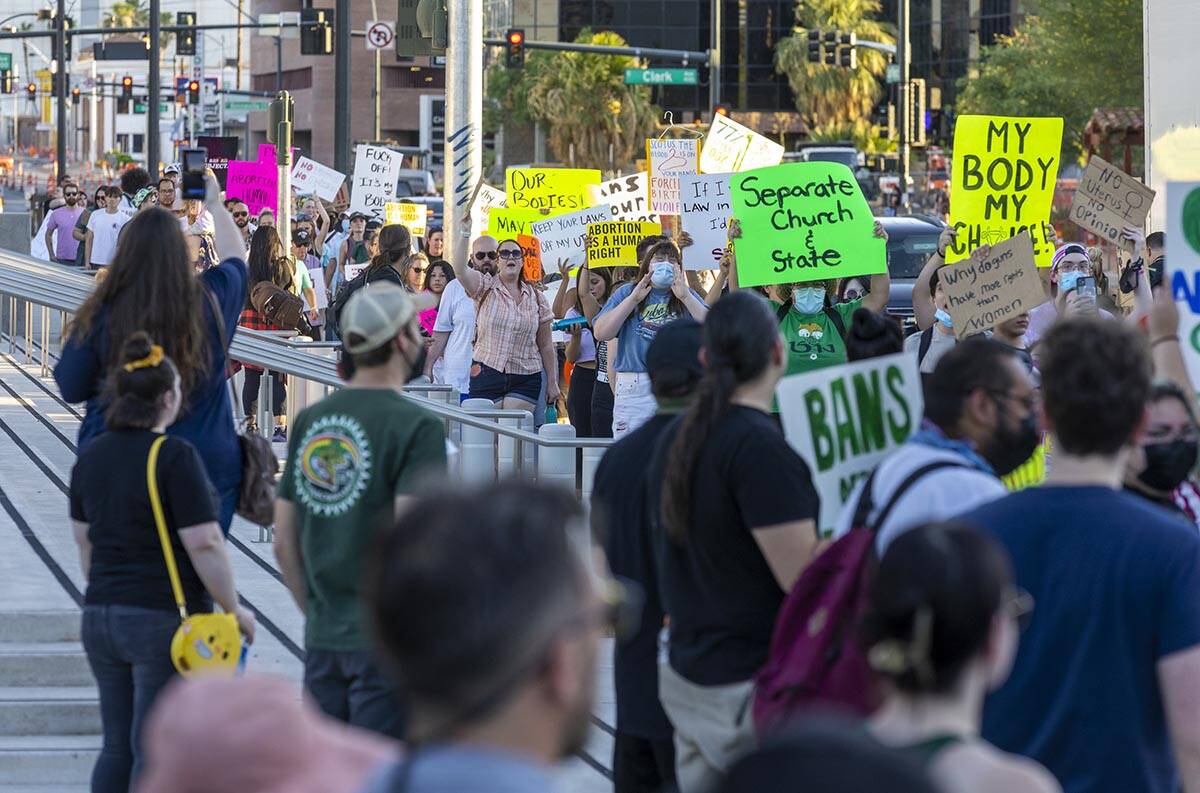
x=395, y=242
x=740, y=333
x=142, y=376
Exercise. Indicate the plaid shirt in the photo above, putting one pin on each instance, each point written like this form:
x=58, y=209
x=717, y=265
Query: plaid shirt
x=252, y=320
x=506, y=328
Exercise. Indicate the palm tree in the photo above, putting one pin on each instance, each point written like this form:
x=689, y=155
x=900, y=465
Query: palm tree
x=832, y=95
x=134, y=14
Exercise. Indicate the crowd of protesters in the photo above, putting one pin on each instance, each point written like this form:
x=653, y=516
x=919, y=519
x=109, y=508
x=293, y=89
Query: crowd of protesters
x=1027, y=612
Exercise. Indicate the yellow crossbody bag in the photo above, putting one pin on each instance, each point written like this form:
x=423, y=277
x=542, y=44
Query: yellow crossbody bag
x=204, y=643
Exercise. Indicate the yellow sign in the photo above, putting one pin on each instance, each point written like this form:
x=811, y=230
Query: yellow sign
x=558, y=190
x=404, y=214
x=614, y=243
x=507, y=224
x=1002, y=182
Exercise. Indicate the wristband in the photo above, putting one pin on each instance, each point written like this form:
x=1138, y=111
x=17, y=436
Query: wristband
x=1162, y=339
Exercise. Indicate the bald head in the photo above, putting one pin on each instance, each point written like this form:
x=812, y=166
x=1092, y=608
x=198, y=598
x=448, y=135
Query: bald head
x=483, y=254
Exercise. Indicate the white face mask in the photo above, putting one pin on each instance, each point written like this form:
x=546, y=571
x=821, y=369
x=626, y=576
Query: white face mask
x=808, y=299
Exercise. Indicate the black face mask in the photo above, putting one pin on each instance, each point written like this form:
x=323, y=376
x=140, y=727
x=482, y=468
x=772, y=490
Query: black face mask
x=1011, y=448
x=1168, y=464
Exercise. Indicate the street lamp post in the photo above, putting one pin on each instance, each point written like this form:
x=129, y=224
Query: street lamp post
x=60, y=89
x=154, y=91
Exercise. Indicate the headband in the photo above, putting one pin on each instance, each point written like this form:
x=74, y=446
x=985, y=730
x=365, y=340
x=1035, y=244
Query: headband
x=154, y=358
x=1063, y=250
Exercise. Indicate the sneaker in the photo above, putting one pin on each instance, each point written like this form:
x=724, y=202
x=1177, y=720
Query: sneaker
x=280, y=435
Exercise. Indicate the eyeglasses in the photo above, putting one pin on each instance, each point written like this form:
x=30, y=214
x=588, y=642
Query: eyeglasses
x=1019, y=605
x=511, y=254
x=241, y=214
x=481, y=255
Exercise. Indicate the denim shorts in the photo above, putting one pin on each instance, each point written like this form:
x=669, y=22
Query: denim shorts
x=488, y=383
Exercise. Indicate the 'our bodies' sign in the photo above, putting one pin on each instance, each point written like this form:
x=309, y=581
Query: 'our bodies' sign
x=804, y=221
x=1002, y=181
x=844, y=419
x=1183, y=250
x=627, y=198
x=376, y=172
x=706, y=209
x=556, y=190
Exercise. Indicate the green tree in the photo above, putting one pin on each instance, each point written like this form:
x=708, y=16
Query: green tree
x=1066, y=59
x=827, y=95
x=581, y=100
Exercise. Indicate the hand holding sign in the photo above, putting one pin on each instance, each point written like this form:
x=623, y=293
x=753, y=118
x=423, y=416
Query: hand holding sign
x=996, y=284
x=1108, y=200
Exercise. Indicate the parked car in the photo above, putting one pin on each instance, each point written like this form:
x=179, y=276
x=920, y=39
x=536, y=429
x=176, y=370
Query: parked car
x=912, y=239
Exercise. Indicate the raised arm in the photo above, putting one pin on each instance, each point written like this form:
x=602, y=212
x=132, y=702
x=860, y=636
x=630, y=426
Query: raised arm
x=923, y=309
x=227, y=238
x=462, y=271
x=561, y=302
x=695, y=306
x=881, y=283
x=729, y=260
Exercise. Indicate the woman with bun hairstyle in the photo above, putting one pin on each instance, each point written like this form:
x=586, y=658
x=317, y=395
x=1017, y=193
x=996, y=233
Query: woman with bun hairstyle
x=872, y=335
x=129, y=611
x=940, y=628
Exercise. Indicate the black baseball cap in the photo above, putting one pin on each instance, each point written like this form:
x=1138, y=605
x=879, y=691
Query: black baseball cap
x=301, y=237
x=673, y=359
x=356, y=215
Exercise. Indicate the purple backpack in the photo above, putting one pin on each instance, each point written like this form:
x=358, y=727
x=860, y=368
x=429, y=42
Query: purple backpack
x=815, y=659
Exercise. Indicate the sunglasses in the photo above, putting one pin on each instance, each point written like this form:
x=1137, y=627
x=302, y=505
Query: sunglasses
x=511, y=254
x=420, y=270
x=70, y=195
x=241, y=214
x=480, y=256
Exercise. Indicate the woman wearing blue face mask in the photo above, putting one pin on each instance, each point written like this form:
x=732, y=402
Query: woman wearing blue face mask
x=813, y=324
x=633, y=315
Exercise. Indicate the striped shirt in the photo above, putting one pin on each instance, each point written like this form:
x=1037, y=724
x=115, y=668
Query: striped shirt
x=506, y=327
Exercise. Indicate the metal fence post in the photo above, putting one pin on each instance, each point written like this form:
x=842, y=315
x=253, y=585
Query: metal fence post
x=556, y=464
x=478, y=447
x=591, y=459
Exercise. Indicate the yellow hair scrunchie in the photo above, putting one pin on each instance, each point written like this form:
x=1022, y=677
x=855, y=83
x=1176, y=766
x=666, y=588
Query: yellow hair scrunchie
x=153, y=359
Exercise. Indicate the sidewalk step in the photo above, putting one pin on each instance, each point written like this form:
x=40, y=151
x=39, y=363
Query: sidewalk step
x=65, y=710
x=39, y=626
x=48, y=759
x=44, y=664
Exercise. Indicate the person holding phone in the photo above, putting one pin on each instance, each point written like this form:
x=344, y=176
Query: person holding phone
x=1073, y=288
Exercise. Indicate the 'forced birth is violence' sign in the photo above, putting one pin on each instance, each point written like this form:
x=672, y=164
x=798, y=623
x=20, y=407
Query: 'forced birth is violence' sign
x=1002, y=181
x=844, y=419
x=804, y=221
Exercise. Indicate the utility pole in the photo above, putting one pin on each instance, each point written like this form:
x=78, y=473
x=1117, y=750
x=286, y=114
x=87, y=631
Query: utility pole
x=714, y=55
x=464, y=116
x=154, y=93
x=60, y=87
x=279, y=132
x=904, y=91
x=341, y=86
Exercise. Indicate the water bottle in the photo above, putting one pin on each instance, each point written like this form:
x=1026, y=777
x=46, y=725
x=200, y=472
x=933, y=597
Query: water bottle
x=551, y=413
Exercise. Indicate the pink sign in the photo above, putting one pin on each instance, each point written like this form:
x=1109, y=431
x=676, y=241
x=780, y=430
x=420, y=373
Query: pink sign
x=256, y=183
x=266, y=153
x=427, y=318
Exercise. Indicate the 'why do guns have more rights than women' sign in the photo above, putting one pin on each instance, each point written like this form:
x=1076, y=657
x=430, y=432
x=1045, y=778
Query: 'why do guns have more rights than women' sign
x=980, y=294
x=1002, y=181
x=803, y=222
x=844, y=419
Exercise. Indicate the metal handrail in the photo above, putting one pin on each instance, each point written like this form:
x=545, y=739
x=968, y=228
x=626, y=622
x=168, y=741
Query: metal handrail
x=61, y=289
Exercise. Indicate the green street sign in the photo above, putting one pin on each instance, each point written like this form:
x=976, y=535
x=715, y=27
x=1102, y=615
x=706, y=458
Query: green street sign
x=248, y=105
x=661, y=77
x=5, y=61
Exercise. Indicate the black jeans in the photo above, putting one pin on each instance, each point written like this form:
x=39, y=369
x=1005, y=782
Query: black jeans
x=251, y=387
x=350, y=687
x=128, y=649
x=642, y=765
x=602, y=410
x=579, y=400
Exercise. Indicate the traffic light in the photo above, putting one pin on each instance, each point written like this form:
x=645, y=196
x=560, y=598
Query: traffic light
x=514, y=56
x=75, y=95
x=316, y=33
x=815, y=52
x=31, y=91
x=830, y=52
x=193, y=89
x=721, y=110
x=127, y=88
x=916, y=118
x=185, y=40
x=847, y=54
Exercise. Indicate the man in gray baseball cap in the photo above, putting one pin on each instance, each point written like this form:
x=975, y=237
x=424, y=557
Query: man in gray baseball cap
x=355, y=460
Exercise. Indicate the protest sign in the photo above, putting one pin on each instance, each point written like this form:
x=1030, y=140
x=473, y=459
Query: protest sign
x=1107, y=200
x=705, y=217
x=318, y=280
x=668, y=160
x=403, y=213
x=844, y=419
x=532, y=263
x=219, y=151
x=558, y=190
x=804, y=221
x=505, y=223
x=310, y=176
x=627, y=197
x=373, y=184
x=1002, y=181
x=255, y=183
x=614, y=242
x=1183, y=252
x=562, y=236
x=353, y=270
x=982, y=294
x=486, y=199
x=730, y=148
x=266, y=153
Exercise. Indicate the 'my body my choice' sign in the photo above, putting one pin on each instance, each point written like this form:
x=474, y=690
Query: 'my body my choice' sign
x=1002, y=181
x=803, y=222
x=844, y=419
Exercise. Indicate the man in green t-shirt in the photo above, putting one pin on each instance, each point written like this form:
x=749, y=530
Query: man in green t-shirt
x=354, y=459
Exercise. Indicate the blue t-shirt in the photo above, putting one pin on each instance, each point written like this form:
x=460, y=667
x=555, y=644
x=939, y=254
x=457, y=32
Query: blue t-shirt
x=1116, y=583
x=641, y=326
x=208, y=420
